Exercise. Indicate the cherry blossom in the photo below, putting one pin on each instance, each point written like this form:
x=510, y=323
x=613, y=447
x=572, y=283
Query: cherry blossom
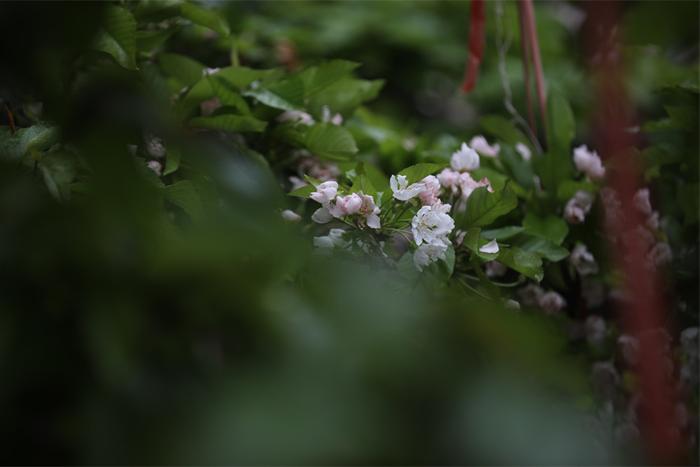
x=480, y=145
x=464, y=159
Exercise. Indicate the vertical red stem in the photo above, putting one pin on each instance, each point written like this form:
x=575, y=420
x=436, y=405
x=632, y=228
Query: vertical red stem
x=528, y=20
x=477, y=38
x=525, y=50
x=644, y=308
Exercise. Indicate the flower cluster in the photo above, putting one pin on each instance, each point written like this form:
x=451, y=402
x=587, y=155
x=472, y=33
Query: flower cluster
x=335, y=206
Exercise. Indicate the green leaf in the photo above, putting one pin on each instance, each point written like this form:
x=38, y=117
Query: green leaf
x=37, y=137
x=417, y=172
x=204, y=17
x=181, y=67
x=545, y=248
x=345, y=95
x=270, y=99
x=363, y=184
x=242, y=77
x=330, y=142
x=502, y=129
x=119, y=36
x=302, y=191
x=502, y=233
x=318, y=78
x=483, y=207
x=562, y=126
x=227, y=93
x=184, y=195
x=229, y=122
x=149, y=41
x=527, y=263
x=568, y=188
x=172, y=161
x=551, y=227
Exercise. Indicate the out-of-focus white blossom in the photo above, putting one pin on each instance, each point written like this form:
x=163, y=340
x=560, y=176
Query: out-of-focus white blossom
x=583, y=261
x=530, y=294
x=155, y=146
x=290, y=216
x=402, y=190
x=642, y=202
x=210, y=71
x=596, y=331
x=464, y=159
x=495, y=269
x=660, y=254
x=551, y=302
x=325, y=192
x=577, y=207
x=629, y=349
x=209, y=106
x=430, y=194
x=490, y=248
x=334, y=239
x=432, y=224
x=346, y=205
x=156, y=167
x=480, y=145
x=328, y=117
x=524, y=151
x=689, y=341
x=296, y=116
x=512, y=304
x=428, y=253
x=589, y=163
x=653, y=221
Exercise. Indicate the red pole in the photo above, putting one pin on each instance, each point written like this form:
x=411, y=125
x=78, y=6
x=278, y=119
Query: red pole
x=643, y=310
x=477, y=38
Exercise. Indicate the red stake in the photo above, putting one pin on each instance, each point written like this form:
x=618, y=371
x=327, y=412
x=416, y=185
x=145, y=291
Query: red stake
x=527, y=21
x=644, y=308
x=477, y=38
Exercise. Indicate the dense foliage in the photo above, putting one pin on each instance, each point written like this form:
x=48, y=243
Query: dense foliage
x=276, y=232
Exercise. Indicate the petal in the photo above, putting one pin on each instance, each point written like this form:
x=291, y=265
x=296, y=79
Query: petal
x=373, y=221
x=491, y=247
x=322, y=216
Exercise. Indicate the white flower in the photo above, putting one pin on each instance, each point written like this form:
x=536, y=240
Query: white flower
x=322, y=215
x=432, y=224
x=336, y=119
x=156, y=167
x=465, y=159
x=290, y=216
x=210, y=71
x=467, y=184
x=431, y=190
x=577, y=207
x=428, y=253
x=346, y=205
x=334, y=239
x=495, y=269
x=155, y=146
x=491, y=247
x=524, y=151
x=642, y=202
x=660, y=254
x=653, y=221
x=480, y=145
x=449, y=179
x=370, y=211
x=589, y=162
x=583, y=261
x=551, y=302
x=325, y=192
x=296, y=116
x=530, y=294
x=402, y=190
